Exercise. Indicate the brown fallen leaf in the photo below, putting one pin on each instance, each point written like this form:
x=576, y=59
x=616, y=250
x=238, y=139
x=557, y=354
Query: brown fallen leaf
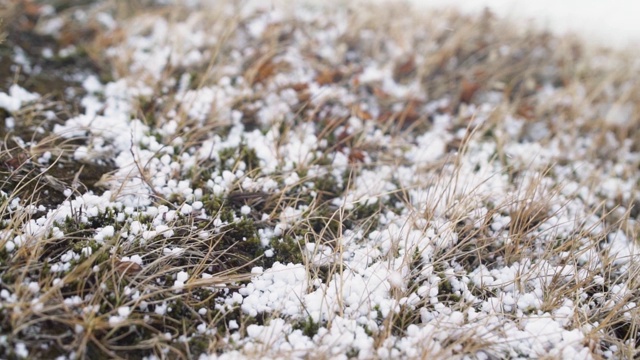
x=302, y=89
x=329, y=76
x=526, y=111
x=265, y=71
x=385, y=117
x=31, y=8
x=358, y=112
x=355, y=81
x=278, y=32
x=16, y=161
x=356, y=156
x=404, y=69
x=128, y=268
x=343, y=138
x=410, y=114
x=454, y=145
x=379, y=93
x=468, y=89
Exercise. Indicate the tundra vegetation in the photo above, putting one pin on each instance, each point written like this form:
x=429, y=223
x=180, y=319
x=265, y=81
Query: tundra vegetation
x=225, y=180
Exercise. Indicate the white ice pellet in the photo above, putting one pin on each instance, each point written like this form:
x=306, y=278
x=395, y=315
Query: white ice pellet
x=9, y=246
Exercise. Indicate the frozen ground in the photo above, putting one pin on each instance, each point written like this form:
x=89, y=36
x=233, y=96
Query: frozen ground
x=313, y=181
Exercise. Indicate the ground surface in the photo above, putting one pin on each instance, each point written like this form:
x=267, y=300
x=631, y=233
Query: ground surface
x=311, y=181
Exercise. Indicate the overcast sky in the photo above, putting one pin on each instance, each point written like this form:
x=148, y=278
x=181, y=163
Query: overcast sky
x=615, y=22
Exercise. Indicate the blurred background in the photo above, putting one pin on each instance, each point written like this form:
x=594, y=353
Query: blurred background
x=610, y=22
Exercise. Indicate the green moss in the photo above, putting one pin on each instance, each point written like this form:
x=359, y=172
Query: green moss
x=250, y=158
x=201, y=173
x=238, y=245
x=353, y=353
x=71, y=224
x=7, y=277
x=241, y=230
x=405, y=317
x=226, y=154
x=212, y=204
x=327, y=187
x=198, y=345
x=77, y=247
x=446, y=293
x=287, y=250
x=368, y=213
x=218, y=207
x=368, y=331
x=415, y=267
x=324, y=222
x=226, y=215
x=303, y=172
x=230, y=157
x=308, y=326
x=102, y=258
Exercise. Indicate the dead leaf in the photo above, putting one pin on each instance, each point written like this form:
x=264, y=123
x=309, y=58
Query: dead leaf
x=410, y=114
x=277, y=31
x=302, y=89
x=16, y=161
x=355, y=81
x=454, y=145
x=128, y=268
x=356, y=155
x=385, y=116
x=343, y=137
x=404, y=69
x=526, y=111
x=468, y=89
x=329, y=76
x=265, y=71
x=379, y=93
x=32, y=9
x=358, y=112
